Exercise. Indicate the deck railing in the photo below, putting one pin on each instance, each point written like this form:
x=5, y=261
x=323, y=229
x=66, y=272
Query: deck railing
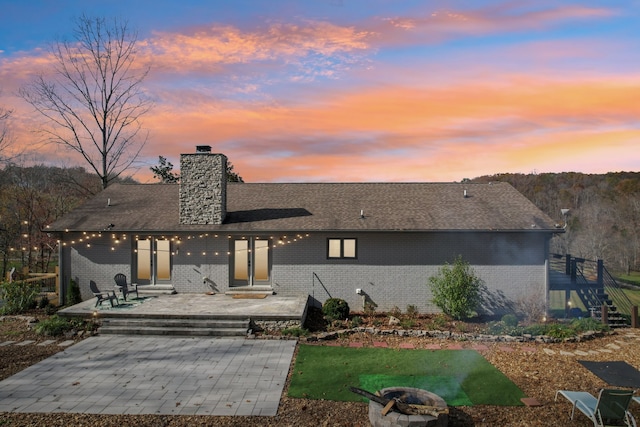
x=589, y=276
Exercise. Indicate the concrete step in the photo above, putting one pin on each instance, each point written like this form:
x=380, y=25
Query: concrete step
x=173, y=331
x=151, y=290
x=174, y=326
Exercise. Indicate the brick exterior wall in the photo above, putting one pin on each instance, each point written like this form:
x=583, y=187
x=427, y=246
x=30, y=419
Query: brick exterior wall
x=392, y=269
x=203, y=188
x=97, y=262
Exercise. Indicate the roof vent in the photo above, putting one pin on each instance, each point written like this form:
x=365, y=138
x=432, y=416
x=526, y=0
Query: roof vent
x=203, y=148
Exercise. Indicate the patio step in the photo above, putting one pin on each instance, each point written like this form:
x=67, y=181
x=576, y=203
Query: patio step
x=151, y=290
x=176, y=327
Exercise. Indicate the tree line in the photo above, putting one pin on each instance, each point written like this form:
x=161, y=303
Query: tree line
x=603, y=221
x=30, y=199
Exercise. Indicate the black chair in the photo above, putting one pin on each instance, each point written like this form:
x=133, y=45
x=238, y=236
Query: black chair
x=102, y=296
x=124, y=287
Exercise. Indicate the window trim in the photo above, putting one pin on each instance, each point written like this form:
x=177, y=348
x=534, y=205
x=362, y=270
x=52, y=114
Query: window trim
x=342, y=241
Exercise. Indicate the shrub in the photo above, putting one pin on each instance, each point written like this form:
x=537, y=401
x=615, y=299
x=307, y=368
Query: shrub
x=502, y=328
x=532, y=307
x=53, y=326
x=370, y=308
x=510, y=320
x=395, y=312
x=295, y=332
x=588, y=324
x=356, y=321
x=74, y=297
x=44, y=302
x=335, y=309
x=408, y=323
x=18, y=296
x=438, y=322
x=456, y=289
x=412, y=311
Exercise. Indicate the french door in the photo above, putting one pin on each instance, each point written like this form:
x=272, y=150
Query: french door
x=251, y=263
x=153, y=261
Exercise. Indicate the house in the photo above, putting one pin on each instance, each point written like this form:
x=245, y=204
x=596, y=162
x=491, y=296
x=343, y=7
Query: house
x=364, y=242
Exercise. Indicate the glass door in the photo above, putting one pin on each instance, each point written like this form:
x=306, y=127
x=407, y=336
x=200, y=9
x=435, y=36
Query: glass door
x=250, y=262
x=153, y=261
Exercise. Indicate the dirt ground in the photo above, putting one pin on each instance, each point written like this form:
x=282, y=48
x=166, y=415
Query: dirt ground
x=535, y=371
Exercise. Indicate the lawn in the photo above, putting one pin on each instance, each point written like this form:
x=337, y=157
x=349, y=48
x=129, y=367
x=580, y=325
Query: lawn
x=460, y=377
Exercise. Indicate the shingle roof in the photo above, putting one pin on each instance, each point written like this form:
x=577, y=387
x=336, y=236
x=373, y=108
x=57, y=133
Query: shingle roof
x=316, y=207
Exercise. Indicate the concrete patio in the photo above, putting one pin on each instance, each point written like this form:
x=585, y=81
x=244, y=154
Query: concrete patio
x=192, y=314
x=155, y=375
x=273, y=307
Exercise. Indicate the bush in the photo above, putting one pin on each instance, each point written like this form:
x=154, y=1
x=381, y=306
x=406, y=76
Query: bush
x=395, y=312
x=295, y=332
x=412, y=311
x=53, y=326
x=456, y=289
x=588, y=324
x=356, y=321
x=510, y=320
x=74, y=297
x=408, y=323
x=335, y=309
x=18, y=296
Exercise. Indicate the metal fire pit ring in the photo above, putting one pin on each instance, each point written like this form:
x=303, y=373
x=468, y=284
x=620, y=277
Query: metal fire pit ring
x=412, y=396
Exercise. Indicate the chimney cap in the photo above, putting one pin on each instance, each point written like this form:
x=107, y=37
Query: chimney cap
x=203, y=148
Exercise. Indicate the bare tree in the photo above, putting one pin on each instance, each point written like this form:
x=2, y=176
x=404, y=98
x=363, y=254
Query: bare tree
x=4, y=132
x=93, y=99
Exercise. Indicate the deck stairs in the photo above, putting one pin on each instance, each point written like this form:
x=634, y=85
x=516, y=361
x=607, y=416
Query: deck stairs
x=594, y=286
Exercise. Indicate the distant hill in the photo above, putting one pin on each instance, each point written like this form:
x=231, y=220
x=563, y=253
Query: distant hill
x=604, y=217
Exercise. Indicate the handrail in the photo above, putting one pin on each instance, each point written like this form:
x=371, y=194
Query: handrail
x=612, y=287
x=587, y=272
x=314, y=277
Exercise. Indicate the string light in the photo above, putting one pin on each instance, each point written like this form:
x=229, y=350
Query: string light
x=117, y=239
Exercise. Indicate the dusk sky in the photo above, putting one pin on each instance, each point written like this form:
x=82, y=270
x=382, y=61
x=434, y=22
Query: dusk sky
x=366, y=90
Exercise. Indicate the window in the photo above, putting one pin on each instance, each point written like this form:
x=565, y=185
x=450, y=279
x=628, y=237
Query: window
x=341, y=248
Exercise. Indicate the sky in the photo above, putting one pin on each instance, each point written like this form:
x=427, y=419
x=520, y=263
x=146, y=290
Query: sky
x=360, y=90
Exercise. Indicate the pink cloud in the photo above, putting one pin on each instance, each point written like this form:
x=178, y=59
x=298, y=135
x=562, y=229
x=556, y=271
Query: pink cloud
x=432, y=122
x=211, y=49
x=445, y=23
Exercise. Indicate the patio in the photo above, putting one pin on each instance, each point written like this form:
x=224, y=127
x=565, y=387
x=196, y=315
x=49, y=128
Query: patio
x=195, y=306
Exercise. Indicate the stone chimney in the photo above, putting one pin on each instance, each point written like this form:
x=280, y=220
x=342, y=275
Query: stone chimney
x=203, y=187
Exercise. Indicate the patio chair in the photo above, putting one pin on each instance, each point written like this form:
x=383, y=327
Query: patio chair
x=102, y=296
x=610, y=408
x=124, y=287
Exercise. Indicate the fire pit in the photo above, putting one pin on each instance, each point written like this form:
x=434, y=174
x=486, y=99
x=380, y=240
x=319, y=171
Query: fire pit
x=412, y=407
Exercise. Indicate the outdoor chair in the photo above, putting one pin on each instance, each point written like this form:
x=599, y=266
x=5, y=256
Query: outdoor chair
x=610, y=408
x=124, y=287
x=102, y=296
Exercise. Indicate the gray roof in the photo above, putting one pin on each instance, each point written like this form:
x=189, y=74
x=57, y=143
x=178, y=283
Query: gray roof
x=316, y=207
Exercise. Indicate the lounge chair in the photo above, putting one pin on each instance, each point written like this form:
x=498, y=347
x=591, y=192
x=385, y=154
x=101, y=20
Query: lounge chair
x=102, y=296
x=124, y=287
x=610, y=408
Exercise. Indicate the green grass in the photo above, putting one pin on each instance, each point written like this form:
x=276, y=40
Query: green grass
x=633, y=278
x=633, y=295
x=460, y=377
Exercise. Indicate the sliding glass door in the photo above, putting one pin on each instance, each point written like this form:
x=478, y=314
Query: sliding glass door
x=153, y=261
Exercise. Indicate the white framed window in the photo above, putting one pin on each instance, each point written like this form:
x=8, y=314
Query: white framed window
x=341, y=248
